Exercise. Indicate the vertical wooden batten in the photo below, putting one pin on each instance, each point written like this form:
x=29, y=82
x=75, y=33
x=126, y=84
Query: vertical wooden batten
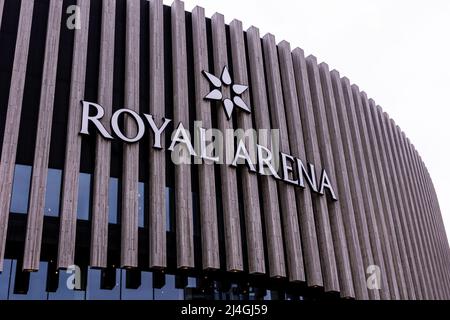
x=12, y=123
x=228, y=179
x=292, y=240
x=100, y=210
x=130, y=171
x=69, y=198
x=157, y=158
x=252, y=207
x=272, y=220
x=207, y=181
x=311, y=255
x=183, y=188
x=354, y=243
x=35, y=218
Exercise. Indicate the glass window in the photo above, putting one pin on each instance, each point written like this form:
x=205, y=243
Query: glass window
x=21, y=189
x=84, y=196
x=4, y=279
x=94, y=292
x=190, y=290
x=63, y=292
x=268, y=296
x=113, y=199
x=169, y=209
x=192, y=282
x=53, y=193
x=37, y=285
x=234, y=292
x=144, y=292
x=169, y=292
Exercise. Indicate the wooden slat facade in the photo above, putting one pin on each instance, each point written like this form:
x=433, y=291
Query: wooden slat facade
x=416, y=264
x=305, y=210
x=434, y=266
x=255, y=227
x=360, y=192
x=412, y=199
x=394, y=203
x=326, y=154
x=274, y=238
x=324, y=235
x=286, y=191
x=367, y=171
x=343, y=184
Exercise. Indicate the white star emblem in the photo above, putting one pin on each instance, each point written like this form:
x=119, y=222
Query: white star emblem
x=216, y=94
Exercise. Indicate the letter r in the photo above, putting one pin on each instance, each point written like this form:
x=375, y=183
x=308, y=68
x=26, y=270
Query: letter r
x=100, y=112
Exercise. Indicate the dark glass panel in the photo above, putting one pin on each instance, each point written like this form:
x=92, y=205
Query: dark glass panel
x=4, y=279
x=64, y=284
x=84, y=196
x=145, y=290
x=113, y=199
x=53, y=192
x=169, y=292
x=94, y=292
x=37, y=284
x=21, y=189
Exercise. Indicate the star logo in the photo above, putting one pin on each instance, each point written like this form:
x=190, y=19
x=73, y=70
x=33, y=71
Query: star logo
x=236, y=89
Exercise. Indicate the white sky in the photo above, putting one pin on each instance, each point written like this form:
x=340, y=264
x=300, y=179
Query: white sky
x=396, y=51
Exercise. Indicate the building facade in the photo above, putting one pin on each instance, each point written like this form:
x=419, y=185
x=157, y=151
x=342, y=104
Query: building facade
x=95, y=96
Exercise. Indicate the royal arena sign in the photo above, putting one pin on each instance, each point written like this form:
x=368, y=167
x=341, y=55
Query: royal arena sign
x=257, y=149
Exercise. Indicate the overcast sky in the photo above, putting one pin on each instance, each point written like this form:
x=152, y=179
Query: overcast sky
x=396, y=51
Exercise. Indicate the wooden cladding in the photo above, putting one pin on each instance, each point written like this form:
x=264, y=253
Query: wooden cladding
x=100, y=210
x=157, y=160
x=218, y=217
x=183, y=189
